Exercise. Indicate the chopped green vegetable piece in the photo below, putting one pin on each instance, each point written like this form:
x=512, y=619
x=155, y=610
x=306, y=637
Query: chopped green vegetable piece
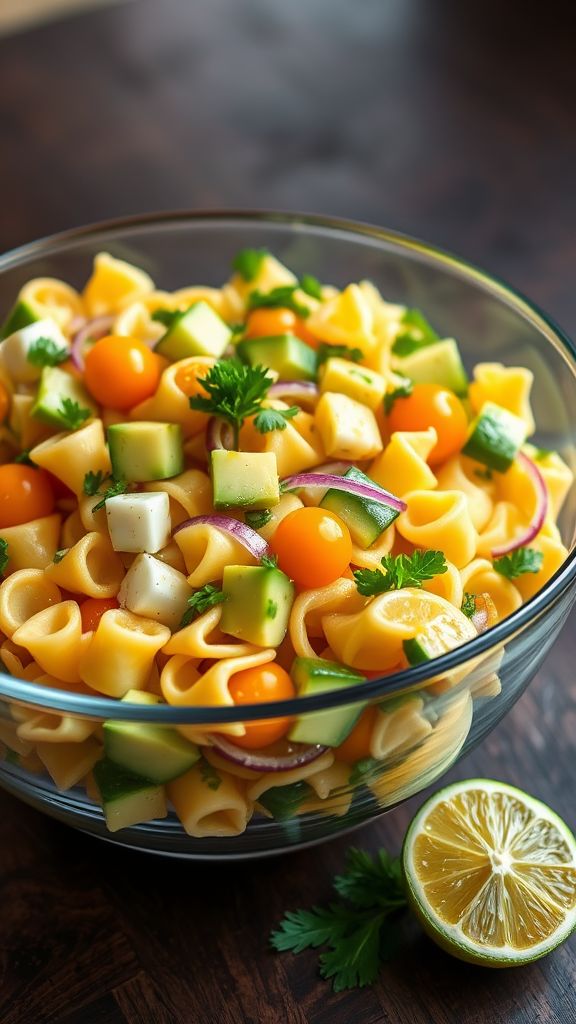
x=519, y=562
x=248, y=262
x=282, y=296
x=45, y=352
x=201, y=601
x=540, y=454
x=72, y=414
x=166, y=316
x=234, y=392
x=4, y=556
x=311, y=285
x=468, y=605
x=326, y=351
x=274, y=419
x=283, y=801
x=400, y=571
x=416, y=332
x=115, y=488
x=93, y=482
x=257, y=518
x=402, y=391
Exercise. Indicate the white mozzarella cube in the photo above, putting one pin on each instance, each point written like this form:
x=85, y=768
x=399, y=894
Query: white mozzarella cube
x=348, y=429
x=15, y=348
x=139, y=522
x=155, y=590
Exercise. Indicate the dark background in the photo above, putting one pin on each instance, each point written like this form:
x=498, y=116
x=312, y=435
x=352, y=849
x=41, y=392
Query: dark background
x=452, y=121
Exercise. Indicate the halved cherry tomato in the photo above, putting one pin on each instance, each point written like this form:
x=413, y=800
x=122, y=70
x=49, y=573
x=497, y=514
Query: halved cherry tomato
x=255, y=686
x=92, y=610
x=267, y=322
x=313, y=546
x=430, y=405
x=121, y=372
x=357, y=745
x=189, y=379
x=25, y=493
x=4, y=402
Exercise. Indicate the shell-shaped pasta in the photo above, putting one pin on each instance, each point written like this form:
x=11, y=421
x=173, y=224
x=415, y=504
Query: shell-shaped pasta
x=135, y=318
x=121, y=652
x=271, y=273
x=508, y=386
x=69, y=456
x=73, y=530
x=24, y=594
x=505, y=523
x=9, y=736
x=93, y=522
x=170, y=404
x=274, y=779
x=214, y=297
x=54, y=639
x=325, y=781
x=371, y=558
x=14, y=659
x=207, y=550
x=90, y=567
x=387, y=316
x=205, y=811
x=516, y=485
x=172, y=555
x=447, y=585
x=310, y=606
x=190, y=494
x=288, y=503
x=554, y=555
x=203, y=639
x=458, y=475
x=56, y=729
x=29, y=430
x=50, y=297
x=333, y=795
x=402, y=466
x=346, y=319
x=480, y=577
x=558, y=477
x=297, y=448
x=399, y=727
x=439, y=520
x=112, y=284
x=68, y=763
x=32, y=545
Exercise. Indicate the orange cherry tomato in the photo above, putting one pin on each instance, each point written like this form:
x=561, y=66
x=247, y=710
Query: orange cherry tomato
x=4, y=402
x=267, y=322
x=189, y=379
x=313, y=546
x=92, y=610
x=430, y=405
x=25, y=493
x=357, y=745
x=255, y=686
x=121, y=372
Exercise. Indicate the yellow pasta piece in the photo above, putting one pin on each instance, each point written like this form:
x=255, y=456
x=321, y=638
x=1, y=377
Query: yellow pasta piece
x=203, y=639
x=68, y=763
x=311, y=605
x=325, y=781
x=92, y=522
x=213, y=757
x=73, y=530
x=121, y=652
x=270, y=274
x=55, y=299
x=447, y=585
x=69, y=456
x=505, y=523
x=170, y=404
x=190, y=494
x=207, y=550
x=346, y=319
x=14, y=658
x=172, y=555
x=298, y=447
x=214, y=297
x=371, y=558
x=205, y=811
x=439, y=520
x=398, y=729
x=28, y=430
x=516, y=485
x=558, y=477
x=46, y=728
x=462, y=474
x=54, y=639
x=22, y=595
x=555, y=554
x=348, y=429
x=135, y=321
x=112, y=284
x=508, y=386
x=9, y=736
x=480, y=577
x=274, y=779
x=358, y=382
x=402, y=466
x=32, y=545
x=90, y=567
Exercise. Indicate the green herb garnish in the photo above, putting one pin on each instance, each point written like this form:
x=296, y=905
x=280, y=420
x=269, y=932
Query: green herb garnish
x=45, y=352
x=4, y=556
x=234, y=392
x=209, y=775
x=269, y=561
x=404, y=390
x=23, y=458
x=166, y=316
x=326, y=351
x=72, y=414
x=311, y=285
x=274, y=419
x=283, y=296
x=60, y=555
x=248, y=262
x=258, y=518
x=93, y=482
x=207, y=597
x=415, y=332
x=400, y=571
x=468, y=606
x=115, y=488
x=519, y=562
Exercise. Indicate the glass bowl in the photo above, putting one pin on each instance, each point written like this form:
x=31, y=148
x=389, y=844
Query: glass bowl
x=429, y=715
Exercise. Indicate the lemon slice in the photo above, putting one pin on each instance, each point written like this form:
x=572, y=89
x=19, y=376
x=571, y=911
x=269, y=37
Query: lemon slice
x=491, y=873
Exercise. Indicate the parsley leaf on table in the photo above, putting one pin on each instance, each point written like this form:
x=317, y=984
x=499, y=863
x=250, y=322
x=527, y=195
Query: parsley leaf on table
x=234, y=392
x=201, y=601
x=400, y=571
x=72, y=414
x=45, y=352
x=518, y=562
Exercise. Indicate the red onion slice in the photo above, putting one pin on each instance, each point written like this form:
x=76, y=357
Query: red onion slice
x=219, y=434
x=339, y=483
x=540, y=513
x=299, y=755
x=92, y=330
x=297, y=390
x=251, y=540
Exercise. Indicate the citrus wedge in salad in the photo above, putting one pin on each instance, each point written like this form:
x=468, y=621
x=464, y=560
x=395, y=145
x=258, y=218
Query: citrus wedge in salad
x=491, y=873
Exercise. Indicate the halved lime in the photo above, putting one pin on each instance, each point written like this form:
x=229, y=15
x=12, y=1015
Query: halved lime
x=491, y=873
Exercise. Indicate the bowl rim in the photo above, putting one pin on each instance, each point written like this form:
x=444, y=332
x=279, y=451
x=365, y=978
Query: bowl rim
x=84, y=706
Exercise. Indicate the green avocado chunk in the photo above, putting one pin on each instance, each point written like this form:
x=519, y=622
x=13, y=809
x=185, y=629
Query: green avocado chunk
x=198, y=331
x=495, y=437
x=154, y=752
x=144, y=451
x=21, y=315
x=437, y=363
x=330, y=728
x=244, y=479
x=365, y=519
x=284, y=801
x=127, y=799
x=258, y=603
x=291, y=358
x=55, y=386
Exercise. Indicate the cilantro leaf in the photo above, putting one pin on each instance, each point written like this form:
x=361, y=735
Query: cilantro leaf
x=306, y=929
x=326, y=351
x=258, y=518
x=59, y=555
x=371, y=881
x=468, y=606
x=283, y=296
x=115, y=488
x=400, y=571
x=4, y=556
x=355, y=961
x=24, y=458
x=93, y=482
x=166, y=316
x=234, y=391
x=209, y=775
x=45, y=352
x=201, y=601
x=402, y=391
x=269, y=561
x=72, y=414
x=247, y=262
x=415, y=333
x=519, y=562
x=311, y=285
x=274, y=419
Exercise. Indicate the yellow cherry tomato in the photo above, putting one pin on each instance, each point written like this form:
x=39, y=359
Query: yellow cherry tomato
x=256, y=686
x=313, y=546
x=25, y=493
x=266, y=323
x=121, y=372
x=430, y=405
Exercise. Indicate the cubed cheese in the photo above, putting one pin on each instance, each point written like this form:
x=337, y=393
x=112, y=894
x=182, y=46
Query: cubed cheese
x=358, y=382
x=139, y=522
x=155, y=590
x=348, y=429
x=15, y=348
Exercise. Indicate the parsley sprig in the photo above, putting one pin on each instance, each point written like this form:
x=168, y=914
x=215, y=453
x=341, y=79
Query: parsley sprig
x=519, y=562
x=415, y=332
x=93, y=482
x=400, y=571
x=354, y=927
x=166, y=317
x=468, y=606
x=45, y=352
x=247, y=262
x=4, y=556
x=274, y=419
x=201, y=601
x=284, y=295
x=234, y=392
x=113, y=489
x=326, y=351
x=72, y=415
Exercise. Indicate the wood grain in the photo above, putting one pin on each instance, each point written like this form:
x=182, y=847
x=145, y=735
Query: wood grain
x=449, y=121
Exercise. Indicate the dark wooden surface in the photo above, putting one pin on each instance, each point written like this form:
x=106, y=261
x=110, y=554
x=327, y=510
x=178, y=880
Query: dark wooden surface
x=452, y=121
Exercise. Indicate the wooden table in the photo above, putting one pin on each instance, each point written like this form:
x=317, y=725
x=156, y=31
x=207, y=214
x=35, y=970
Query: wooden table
x=454, y=124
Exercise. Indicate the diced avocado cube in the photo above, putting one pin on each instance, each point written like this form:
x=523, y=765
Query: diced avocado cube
x=313, y=676
x=244, y=479
x=144, y=451
x=127, y=799
x=436, y=363
x=358, y=382
x=288, y=356
x=21, y=315
x=258, y=603
x=284, y=801
x=139, y=522
x=199, y=331
x=365, y=519
x=56, y=385
x=154, y=752
x=495, y=437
